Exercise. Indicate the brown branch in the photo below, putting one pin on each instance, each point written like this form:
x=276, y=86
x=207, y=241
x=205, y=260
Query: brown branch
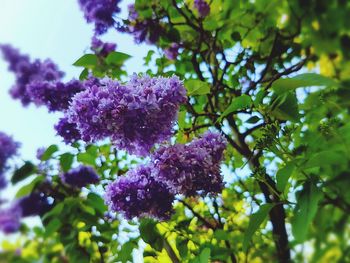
x=170, y=251
x=201, y=218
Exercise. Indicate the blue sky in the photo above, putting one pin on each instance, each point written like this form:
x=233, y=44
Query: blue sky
x=48, y=29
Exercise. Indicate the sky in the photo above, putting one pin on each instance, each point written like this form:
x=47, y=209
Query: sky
x=48, y=29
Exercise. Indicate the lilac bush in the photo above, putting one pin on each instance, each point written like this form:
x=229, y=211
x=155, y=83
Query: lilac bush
x=139, y=194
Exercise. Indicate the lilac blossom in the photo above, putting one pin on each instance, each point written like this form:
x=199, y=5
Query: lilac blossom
x=10, y=220
x=27, y=72
x=172, y=51
x=8, y=148
x=192, y=168
x=202, y=7
x=54, y=95
x=102, y=48
x=80, y=176
x=39, y=152
x=139, y=194
x=147, y=30
x=135, y=116
x=67, y=130
x=33, y=204
x=100, y=12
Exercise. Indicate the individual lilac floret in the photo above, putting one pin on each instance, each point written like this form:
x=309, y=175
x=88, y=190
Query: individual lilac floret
x=172, y=51
x=192, y=168
x=135, y=116
x=102, y=48
x=8, y=148
x=10, y=220
x=100, y=12
x=202, y=7
x=80, y=177
x=54, y=95
x=27, y=72
x=33, y=204
x=138, y=194
x=67, y=130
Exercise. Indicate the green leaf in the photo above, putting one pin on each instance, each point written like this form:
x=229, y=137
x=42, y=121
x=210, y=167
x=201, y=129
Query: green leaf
x=283, y=175
x=86, y=158
x=23, y=172
x=253, y=120
x=181, y=245
x=27, y=189
x=125, y=253
x=285, y=107
x=49, y=152
x=84, y=74
x=148, y=57
x=204, y=256
x=256, y=220
x=305, y=211
x=324, y=158
x=117, y=58
x=66, y=161
x=281, y=86
x=239, y=103
x=196, y=87
x=96, y=202
x=87, y=61
x=221, y=234
x=54, y=211
x=150, y=234
x=52, y=227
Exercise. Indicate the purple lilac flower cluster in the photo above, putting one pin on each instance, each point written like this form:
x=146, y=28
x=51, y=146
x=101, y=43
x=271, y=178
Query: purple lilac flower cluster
x=8, y=148
x=202, y=7
x=31, y=205
x=147, y=30
x=172, y=51
x=192, y=168
x=100, y=12
x=67, y=130
x=80, y=177
x=10, y=220
x=188, y=169
x=28, y=72
x=102, y=48
x=54, y=95
x=135, y=116
x=139, y=194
